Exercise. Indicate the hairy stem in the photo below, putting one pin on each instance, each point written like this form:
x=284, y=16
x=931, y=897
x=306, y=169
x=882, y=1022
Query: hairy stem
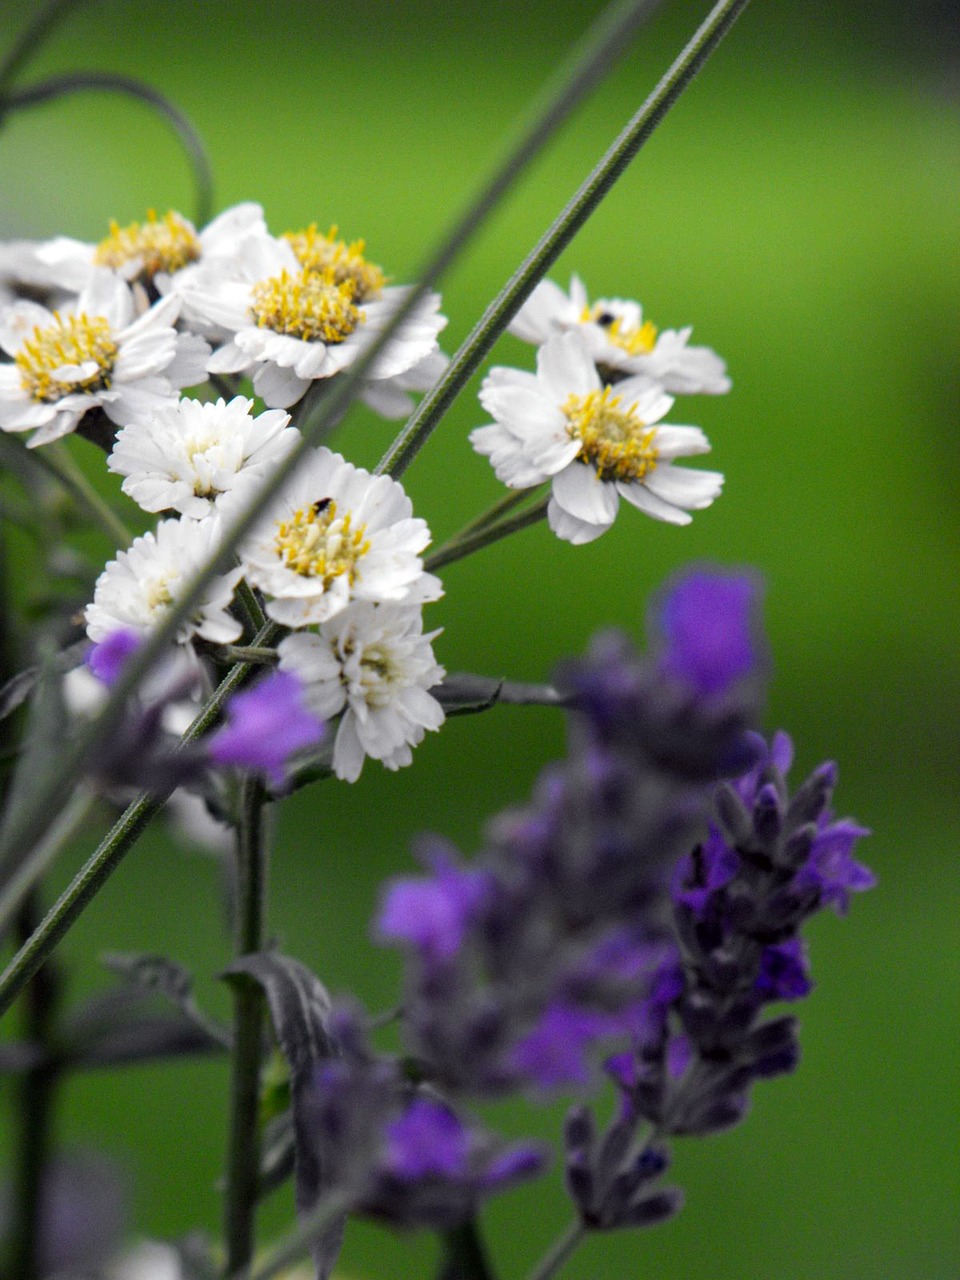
x=243, y=1156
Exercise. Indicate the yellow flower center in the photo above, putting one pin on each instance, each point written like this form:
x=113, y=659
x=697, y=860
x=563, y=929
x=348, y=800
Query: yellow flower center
x=159, y=244
x=635, y=340
x=317, y=543
x=310, y=306
x=341, y=261
x=76, y=353
x=614, y=441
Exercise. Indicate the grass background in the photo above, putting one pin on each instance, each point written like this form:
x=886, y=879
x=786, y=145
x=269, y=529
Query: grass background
x=799, y=208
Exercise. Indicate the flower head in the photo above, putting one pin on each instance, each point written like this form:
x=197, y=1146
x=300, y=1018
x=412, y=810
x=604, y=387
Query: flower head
x=595, y=443
x=186, y=456
x=293, y=319
x=138, y=588
x=620, y=341
x=98, y=354
x=334, y=533
x=373, y=664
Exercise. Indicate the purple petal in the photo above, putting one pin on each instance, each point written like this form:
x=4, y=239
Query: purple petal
x=266, y=725
x=107, y=659
x=427, y=1140
x=707, y=620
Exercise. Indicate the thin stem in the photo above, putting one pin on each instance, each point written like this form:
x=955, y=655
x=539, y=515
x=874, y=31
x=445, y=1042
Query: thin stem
x=251, y=605
x=35, y=1116
x=521, y=284
x=42, y=856
x=558, y=1253
x=514, y=498
x=485, y=537
x=243, y=1156
x=257, y=655
x=112, y=82
x=30, y=40
x=110, y=853
x=56, y=459
x=464, y=1256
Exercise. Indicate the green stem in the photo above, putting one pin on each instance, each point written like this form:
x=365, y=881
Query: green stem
x=493, y=514
x=558, y=1253
x=464, y=1257
x=521, y=284
x=251, y=605
x=35, y=1116
x=243, y=1157
x=29, y=41
x=110, y=853
x=257, y=655
x=484, y=537
x=56, y=459
x=297, y=1243
x=112, y=82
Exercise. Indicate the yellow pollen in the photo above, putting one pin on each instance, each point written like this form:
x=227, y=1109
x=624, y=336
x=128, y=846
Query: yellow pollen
x=310, y=306
x=159, y=244
x=614, y=441
x=70, y=340
x=344, y=262
x=316, y=543
x=635, y=340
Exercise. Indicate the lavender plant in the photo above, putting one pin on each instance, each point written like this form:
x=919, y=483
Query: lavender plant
x=619, y=937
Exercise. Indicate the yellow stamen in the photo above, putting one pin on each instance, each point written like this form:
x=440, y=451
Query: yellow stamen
x=344, y=262
x=614, y=441
x=70, y=340
x=316, y=543
x=311, y=306
x=159, y=244
x=635, y=340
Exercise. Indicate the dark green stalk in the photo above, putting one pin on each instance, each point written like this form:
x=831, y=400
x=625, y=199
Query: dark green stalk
x=112, y=82
x=464, y=1256
x=29, y=41
x=486, y=536
x=518, y=288
x=243, y=1155
x=58, y=462
x=35, y=1112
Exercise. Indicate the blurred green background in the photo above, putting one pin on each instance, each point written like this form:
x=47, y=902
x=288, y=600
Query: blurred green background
x=799, y=208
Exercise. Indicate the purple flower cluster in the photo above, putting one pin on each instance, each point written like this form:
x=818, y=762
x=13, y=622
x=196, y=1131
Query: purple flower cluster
x=522, y=966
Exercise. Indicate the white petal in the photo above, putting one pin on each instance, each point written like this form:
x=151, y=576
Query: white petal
x=641, y=498
x=564, y=368
x=569, y=528
x=580, y=492
x=685, y=486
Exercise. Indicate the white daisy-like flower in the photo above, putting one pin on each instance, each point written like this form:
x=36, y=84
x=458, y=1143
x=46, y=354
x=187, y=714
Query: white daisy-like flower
x=23, y=274
x=596, y=443
x=187, y=456
x=374, y=664
x=292, y=323
x=334, y=533
x=98, y=353
x=151, y=252
x=137, y=590
x=619, y=339
x=390, y=397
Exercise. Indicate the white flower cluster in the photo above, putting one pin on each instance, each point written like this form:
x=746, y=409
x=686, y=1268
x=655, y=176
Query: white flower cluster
x=102, y=338
x=589, y=420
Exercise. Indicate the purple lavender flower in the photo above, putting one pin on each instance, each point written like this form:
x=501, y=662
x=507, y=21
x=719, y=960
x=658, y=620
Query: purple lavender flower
x=107, y=659
x=554, y=1052
x=432, y=915
x=426, y=1140
x=784, y=971
x=830, y=867
x=707, y=620
x=267, y=724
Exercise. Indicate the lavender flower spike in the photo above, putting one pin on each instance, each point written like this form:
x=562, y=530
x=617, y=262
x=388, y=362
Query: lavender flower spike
x=707, y=620
x=107, y=659
x=267, y=724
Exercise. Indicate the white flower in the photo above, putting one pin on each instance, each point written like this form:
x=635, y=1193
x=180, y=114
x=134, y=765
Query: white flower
x=334, y=533
x=187, y=456
x=138, y=588
x=22, y=272
x=618, y=338
x=390, y=398
x=374, y=664
x=596, y=443
x=293, y=323
x=153, y=251
x=99, y=353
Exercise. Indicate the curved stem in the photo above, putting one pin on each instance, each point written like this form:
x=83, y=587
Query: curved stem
x=558, y=1253
x=112, y=82
x=521, y=284
x=485, y=536
x=29, y=41
x=243, y=1157
x=101, y=865
x=59, y=462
